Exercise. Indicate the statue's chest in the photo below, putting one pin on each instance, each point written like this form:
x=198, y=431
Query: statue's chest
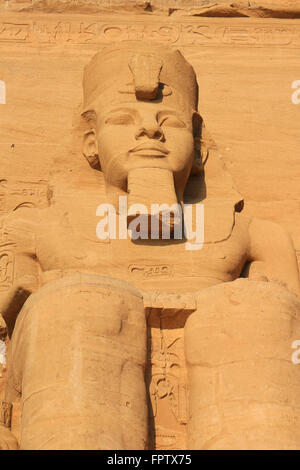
x=165, y=265
x=173, y=267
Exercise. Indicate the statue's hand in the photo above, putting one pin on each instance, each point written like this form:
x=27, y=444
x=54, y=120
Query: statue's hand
x=7, y=439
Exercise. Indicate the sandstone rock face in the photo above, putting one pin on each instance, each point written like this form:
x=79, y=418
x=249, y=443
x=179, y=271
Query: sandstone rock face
x=123, y=331
x=209, y=8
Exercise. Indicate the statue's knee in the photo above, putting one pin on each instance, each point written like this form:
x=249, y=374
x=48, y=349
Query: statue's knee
x=234, y=319
x=79, y=309
x=85, y=297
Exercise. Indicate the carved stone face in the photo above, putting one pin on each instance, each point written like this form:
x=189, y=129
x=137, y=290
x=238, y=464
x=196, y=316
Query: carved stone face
x=141, y=99
x=144, y=135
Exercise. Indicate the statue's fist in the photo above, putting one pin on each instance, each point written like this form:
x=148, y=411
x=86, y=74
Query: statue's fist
x=7, y=439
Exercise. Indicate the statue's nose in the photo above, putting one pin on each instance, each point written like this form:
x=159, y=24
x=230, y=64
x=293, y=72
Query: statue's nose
x=153, y=131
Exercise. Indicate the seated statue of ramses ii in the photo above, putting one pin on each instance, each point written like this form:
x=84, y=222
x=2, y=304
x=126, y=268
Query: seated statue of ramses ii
x=78, y=305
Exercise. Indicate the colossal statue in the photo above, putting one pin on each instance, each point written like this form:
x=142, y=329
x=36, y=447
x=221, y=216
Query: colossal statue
x=79, y=306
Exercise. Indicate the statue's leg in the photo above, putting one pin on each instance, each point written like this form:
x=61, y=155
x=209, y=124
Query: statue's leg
x=244, y=389
x=8, y=440
x=79, y=355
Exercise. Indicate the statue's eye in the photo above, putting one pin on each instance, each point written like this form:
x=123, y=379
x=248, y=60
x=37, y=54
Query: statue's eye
x=119, y=119
x=171, y=121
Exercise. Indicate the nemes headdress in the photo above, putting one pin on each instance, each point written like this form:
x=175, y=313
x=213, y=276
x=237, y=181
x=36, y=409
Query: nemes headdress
x=145, y=71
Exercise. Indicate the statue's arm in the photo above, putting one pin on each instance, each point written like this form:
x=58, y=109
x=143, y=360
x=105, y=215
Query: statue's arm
x=272, y=255
x=19, y=268
x=20, y=227
x=7, y=440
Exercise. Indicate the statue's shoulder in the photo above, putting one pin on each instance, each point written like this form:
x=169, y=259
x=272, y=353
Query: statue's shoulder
x=264, y=234
x=24, y=218
x=269, y=232
x=20, y=227
x=272, y=251
x=262, y=228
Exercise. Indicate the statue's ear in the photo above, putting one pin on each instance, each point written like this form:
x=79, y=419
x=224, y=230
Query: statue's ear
x=197, y=167
x=203, y=143
x=90, y=144
x=197, y=124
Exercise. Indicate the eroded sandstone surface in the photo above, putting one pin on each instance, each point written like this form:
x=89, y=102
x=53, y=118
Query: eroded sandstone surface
x=146, y=344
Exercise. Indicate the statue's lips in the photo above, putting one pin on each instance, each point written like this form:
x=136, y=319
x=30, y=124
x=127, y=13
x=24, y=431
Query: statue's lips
x=150, y=150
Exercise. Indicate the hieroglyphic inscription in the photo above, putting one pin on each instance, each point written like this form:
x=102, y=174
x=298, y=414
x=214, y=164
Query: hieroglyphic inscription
x=168, y=389
x=6, y=268
x=149, y=271
x=196, y=32
x=17, y=193
x=14, y=32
